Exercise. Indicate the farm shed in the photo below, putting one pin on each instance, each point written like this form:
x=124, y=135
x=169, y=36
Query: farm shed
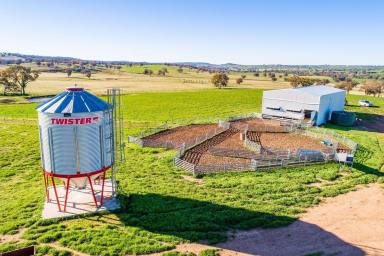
x=314, y=102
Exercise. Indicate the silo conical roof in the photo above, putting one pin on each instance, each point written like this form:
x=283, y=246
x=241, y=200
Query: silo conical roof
x=73, y=100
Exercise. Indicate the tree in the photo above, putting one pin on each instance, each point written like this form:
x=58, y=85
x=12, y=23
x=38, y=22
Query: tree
x=256, y=74
x=239, y=80
x=69, y=72
x=7, y=80
x=274, y=79
x=220, y=80
x=147, y=72
x=88, y=73
x=373, y=88
x=180, y=70
x=347, y=85
x=17, y=78
x=162, y=72
x=243, y=76
x=297, y=81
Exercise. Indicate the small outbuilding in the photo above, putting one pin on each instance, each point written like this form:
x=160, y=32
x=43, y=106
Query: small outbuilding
x=315, y=103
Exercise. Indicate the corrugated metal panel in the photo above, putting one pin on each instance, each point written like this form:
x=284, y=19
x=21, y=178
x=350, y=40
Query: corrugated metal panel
x=88, y=138
x=74, y=101
x=43, y=158
x=63, y=147
x=108, y=139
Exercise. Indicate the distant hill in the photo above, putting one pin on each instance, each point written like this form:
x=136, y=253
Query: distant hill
x=14, y=58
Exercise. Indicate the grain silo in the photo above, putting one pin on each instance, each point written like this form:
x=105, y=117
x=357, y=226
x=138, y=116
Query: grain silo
x=76, y=140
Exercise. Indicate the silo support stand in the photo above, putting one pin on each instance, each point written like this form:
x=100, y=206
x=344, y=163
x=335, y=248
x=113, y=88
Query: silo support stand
x=66, y=186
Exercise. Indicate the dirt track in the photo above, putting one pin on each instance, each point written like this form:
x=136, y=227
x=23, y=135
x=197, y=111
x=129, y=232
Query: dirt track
x=349, y=224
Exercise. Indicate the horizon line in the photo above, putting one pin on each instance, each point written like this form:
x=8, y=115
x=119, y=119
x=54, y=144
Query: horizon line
x=181, y=62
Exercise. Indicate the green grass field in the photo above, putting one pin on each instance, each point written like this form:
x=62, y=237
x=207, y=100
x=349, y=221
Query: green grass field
x=160, y=208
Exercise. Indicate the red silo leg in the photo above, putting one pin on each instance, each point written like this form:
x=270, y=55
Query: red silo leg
x=46, y=186
x=102, y=190
x=57, y=197
x=93, y=192
x=66, y=194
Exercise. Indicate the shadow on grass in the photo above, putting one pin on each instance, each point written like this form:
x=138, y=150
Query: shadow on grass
x=366, y=169
x=366, y=122
x=206, y=222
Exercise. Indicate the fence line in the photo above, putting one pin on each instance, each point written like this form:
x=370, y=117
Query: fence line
x=238, y=153
x=184, y=164
x=198, y=140
x=135, y=140
x=334, y=137
x=243, y=116
x=251, y=145
x=256, y=165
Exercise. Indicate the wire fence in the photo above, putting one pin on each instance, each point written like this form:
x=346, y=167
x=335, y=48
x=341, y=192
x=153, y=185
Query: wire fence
x=198, y=140
x=262, y=162
x=251, y=145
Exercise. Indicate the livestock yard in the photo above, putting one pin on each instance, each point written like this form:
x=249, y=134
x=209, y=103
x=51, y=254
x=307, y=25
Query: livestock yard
x=245, y=144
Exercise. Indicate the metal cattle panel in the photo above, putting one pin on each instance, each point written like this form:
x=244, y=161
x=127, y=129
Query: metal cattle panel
x=45, y=149
x=88, y=140
x=63, y=147
x=108, y=138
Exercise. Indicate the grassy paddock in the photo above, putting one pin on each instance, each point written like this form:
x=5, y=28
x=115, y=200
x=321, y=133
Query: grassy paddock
x=160, y=208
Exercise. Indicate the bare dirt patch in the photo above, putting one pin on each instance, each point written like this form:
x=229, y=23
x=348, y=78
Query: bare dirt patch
x=193, y=179
x=15, y=237
x=292, y=141
x=233, y=141
x=181, y=134
x=209, y=159
x=258, y=123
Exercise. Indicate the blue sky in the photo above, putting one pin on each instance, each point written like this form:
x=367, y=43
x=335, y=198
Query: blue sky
x=216, y=31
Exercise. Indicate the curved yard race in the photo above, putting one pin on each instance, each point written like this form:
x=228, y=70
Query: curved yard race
x=163, y=208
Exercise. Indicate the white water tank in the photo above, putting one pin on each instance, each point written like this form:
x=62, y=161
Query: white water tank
x=76, y=136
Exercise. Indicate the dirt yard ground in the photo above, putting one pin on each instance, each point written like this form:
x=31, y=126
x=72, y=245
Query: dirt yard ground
x=258, y=123
x=292, y=141
x=182, y=134
x=350, y=224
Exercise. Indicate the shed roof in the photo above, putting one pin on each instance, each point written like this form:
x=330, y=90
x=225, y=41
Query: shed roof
x=319, y=90
x=314, y=92
x=73, y=100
